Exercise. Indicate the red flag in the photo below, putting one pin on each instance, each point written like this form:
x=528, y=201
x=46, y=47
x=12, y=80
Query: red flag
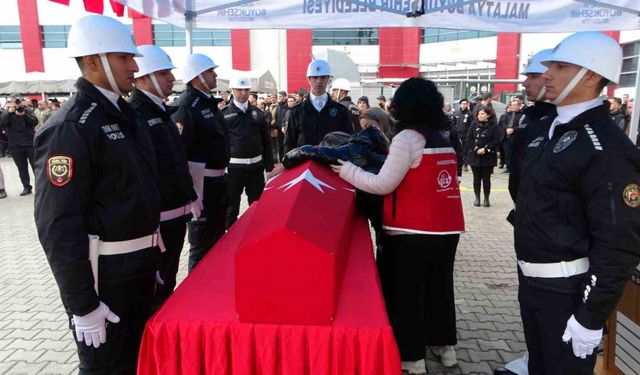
x=118, y=8
x=133, y=14
x=94, y=6
x=63, y=2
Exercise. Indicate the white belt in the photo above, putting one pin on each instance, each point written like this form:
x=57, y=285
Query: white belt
x=554, y=270
x=97, y=248
x=176, y=212
x=213, y=172
x=246, y=161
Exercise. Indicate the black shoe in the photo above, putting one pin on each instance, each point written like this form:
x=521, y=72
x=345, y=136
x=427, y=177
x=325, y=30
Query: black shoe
x=26, y=191
x=503, y=371
x=476, y=203
x=465, y=168
x=485, y=203
x=3, y=194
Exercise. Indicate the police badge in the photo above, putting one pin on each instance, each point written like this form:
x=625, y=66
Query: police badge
x=565, y=141
x=333, y=112
x=631, y=195
x=254, y=114
x=59, y=170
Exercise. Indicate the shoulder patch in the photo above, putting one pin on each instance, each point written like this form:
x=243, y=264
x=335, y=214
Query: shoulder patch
x=60, y=169
x=594, y=138
x=154, y=121
x=87, y=112
x=631, y=195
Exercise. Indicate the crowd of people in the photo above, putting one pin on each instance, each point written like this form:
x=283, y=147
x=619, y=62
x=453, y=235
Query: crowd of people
x=121, y=183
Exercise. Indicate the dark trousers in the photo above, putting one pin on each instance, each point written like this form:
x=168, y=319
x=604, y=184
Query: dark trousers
x=417, y=283
x=503, y=156
x=544, y=318
x=482, y=176
x=239, y=180
x=3, y=147
x=131, y=301
x=207, y=230
x=277, y=147
x=507, y=145
x=173, y=232
x=23, y=156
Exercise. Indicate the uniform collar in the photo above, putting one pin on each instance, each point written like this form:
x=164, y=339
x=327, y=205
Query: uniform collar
x=154, y=98
x=207, y=94
x=322, y=97
x=112, y=96
x=241, y=106
x=566, y=113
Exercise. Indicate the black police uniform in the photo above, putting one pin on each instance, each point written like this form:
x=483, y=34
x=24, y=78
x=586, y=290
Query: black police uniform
x=20, y=132
x=578, y=197
x=96, y=174
x=354, y=111
x=462, y=120
x=536, y=118
x=174, y=182
x=307, y=126
x=205, y=136
x=248, y=139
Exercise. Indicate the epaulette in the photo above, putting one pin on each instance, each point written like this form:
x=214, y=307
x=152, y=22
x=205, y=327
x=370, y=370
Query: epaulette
x=87, y=112
x=195, y=102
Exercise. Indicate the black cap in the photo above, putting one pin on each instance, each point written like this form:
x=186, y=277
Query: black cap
x=364, y=99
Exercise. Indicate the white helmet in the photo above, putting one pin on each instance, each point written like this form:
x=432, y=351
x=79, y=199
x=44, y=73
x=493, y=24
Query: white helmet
x=318, y=68
x=592, y=50
x=341, y=84
x=195, y=65
x=153, y=59
x=240, y=82
x=96, y=34
x=534, y=66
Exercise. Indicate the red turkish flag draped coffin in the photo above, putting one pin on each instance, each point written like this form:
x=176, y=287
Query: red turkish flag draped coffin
x=290, y=263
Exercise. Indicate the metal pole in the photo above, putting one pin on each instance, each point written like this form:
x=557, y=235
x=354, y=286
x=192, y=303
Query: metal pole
x=189, y=15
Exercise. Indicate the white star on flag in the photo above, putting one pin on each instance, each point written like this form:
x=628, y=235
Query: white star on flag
x=310, y=178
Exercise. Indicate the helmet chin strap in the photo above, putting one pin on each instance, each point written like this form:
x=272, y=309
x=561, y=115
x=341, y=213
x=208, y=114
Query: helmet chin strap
x=156, y=85
x=572, y=84
x=543, y=91
x=109, y=74
x=204, y=83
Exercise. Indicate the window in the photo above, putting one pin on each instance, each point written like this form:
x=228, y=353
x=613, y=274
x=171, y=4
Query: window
x=431, y=35
x=630, y=53
x=10, y=37
x=345, y=37
x=173, y=36
x=55, y=36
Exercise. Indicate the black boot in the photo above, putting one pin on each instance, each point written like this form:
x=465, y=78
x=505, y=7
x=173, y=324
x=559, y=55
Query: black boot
x=476, y=203
x=3, y=193
x=486, y=201
x=26, y=191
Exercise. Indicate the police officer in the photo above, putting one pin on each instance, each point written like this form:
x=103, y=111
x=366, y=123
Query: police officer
x=204, y=134
x=318, y=114
x=577, y=214
x=154, y=82
x=340, y=92
x=250, y=146
x=97, y=207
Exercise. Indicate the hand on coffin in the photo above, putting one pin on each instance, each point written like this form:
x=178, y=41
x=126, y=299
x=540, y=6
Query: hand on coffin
x=277, y=169
x=338, y=167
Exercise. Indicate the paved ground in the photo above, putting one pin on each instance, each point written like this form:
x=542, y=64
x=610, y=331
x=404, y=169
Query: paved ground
x=34, y=338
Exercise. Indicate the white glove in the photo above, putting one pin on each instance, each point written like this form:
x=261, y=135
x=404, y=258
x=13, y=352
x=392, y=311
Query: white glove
x=196, y=208
x=197, y=176
x=92, y=328
x=159, y=280
x=583, y=340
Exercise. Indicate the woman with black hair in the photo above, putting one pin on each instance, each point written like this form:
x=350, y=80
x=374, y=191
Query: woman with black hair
x=483, y=137
x=422, y=219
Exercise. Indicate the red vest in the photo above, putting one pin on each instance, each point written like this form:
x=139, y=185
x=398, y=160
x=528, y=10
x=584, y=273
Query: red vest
x=427, y=201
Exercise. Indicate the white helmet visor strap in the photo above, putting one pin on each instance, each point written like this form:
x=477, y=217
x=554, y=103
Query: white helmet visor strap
x=204, y=83
x=543, y=91
x=156, y=85
x=109, y=74
x=570, y=86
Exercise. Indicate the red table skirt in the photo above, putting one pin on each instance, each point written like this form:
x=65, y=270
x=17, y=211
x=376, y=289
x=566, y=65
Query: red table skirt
x=197, y=330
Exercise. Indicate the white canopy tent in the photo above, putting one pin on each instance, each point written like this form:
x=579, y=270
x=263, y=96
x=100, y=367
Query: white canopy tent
x=534, y=16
